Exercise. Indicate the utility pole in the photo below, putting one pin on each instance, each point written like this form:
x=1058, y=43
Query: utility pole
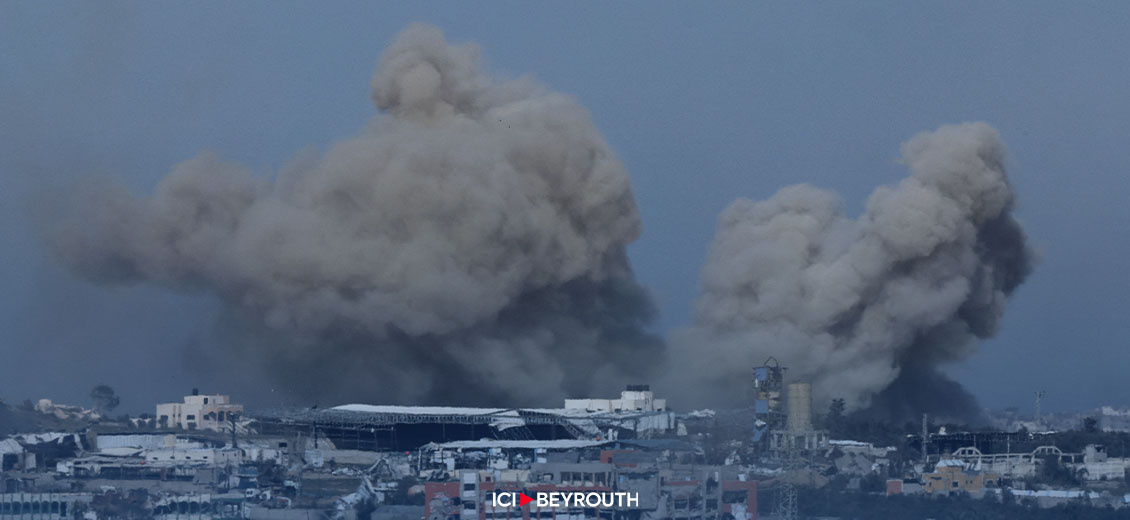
x=231, y=417
x=1039, y=397
x=925, y=443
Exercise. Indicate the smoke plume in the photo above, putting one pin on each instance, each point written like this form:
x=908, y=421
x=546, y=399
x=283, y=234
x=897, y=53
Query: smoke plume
x=468, y=246
x=867, y=309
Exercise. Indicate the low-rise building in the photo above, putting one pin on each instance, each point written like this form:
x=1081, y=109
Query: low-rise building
x=949, y=476
x=637, y=398
x=700, y=492
x=42, y=506
x=195, y=456
x=199, y=412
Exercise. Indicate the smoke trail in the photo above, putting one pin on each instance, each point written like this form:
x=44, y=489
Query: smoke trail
x=859, y=306
x=472, y=238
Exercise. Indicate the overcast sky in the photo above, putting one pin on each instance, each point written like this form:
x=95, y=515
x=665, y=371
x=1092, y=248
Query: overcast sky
x=703, y=102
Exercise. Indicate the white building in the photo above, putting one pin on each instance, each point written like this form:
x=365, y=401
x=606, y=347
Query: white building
x=200, y=456
x=637, y=398
x=199, y=412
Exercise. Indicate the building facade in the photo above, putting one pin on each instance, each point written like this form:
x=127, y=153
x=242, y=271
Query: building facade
x=637, y=398
x=700, y=493
x=199, y=412
x=949, y=477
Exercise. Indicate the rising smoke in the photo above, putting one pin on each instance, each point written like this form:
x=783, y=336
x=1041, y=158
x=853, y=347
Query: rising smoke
x=472, y=237
x=866, y=309
x=469, y=247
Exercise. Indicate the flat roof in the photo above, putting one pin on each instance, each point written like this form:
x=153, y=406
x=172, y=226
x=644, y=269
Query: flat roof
x=420, y=410
x=392, y=414
x=563, y=444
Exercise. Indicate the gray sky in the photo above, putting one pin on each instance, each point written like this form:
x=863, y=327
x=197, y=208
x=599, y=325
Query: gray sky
x=702, y=105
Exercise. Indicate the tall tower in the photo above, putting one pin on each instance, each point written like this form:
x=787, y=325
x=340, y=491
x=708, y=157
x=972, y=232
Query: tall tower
x=771, y=414
x=768, y=385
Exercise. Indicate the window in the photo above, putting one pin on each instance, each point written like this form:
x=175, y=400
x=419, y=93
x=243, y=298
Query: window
x=205, y=400
x=191, y=418
x=468, y=487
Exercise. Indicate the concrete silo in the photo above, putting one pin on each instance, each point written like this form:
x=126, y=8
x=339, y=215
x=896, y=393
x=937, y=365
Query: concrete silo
x=799, y=407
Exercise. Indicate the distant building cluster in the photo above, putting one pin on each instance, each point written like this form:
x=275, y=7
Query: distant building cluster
x=207, y=457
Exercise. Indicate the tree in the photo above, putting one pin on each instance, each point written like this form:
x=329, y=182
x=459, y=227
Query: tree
x=1090, y=425
x=105, y=399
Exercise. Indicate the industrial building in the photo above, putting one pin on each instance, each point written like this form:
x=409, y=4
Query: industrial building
x=385, y=427
x=637, y=398
x=784, y=413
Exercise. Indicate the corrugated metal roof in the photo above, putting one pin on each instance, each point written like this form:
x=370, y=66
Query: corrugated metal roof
x=10, y=446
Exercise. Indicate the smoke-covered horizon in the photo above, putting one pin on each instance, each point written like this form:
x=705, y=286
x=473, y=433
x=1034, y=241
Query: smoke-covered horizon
x=468, y=246
x=866, y=309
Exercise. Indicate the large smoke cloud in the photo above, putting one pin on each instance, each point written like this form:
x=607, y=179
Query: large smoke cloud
x=867, y=309
x=472, y=238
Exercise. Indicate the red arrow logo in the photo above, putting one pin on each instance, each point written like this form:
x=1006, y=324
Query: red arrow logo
x=523, y=499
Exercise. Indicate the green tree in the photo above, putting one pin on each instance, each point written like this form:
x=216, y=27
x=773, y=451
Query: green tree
x=1090, y=425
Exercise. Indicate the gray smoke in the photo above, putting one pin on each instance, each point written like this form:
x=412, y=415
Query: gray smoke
x=472, y=237
x=860, y=306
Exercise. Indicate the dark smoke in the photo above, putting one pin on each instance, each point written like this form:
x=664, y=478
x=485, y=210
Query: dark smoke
x=866, y=309
x=469, y=246
x=919, y=389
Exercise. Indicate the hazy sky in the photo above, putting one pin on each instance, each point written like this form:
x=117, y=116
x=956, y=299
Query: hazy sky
x=703, y=102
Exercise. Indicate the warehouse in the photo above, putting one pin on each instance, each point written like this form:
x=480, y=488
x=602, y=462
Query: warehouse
x=378, y=428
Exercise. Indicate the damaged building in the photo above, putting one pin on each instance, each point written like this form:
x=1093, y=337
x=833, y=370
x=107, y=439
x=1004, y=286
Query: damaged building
x=398, y=428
